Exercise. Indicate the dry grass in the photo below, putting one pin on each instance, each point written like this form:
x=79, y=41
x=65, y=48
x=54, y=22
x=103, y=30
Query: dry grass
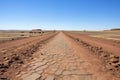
x=4, y=36
x=114, y=35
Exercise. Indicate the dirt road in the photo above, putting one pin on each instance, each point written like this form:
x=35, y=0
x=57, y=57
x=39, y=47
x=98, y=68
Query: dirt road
x=63, y=59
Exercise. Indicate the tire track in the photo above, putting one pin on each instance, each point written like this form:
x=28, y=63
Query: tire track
x=110, y=60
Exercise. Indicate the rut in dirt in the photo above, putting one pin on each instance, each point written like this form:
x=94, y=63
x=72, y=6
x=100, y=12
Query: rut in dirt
x=63, y=59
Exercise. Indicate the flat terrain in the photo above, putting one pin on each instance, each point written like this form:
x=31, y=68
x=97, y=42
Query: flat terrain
x=113, y=34
x=60, y=56
x=6, y=36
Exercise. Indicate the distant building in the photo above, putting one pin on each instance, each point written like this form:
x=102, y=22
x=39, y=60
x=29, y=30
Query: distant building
x=36, y=31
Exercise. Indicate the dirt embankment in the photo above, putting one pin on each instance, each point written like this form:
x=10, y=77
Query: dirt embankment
x=107, y=52
x=15, y=53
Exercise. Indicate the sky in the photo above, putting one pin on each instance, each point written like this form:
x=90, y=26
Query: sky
x=59, y=14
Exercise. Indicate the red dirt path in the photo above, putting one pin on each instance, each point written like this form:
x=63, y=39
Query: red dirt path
x=65, y=56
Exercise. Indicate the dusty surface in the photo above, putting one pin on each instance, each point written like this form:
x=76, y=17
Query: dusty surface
x=107, y=51
x=70, y=56
x=63, y=59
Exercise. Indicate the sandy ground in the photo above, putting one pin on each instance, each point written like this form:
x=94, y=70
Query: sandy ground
x=70, y=56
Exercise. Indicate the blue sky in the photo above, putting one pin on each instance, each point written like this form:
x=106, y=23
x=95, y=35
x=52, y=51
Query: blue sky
x=60, y=14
